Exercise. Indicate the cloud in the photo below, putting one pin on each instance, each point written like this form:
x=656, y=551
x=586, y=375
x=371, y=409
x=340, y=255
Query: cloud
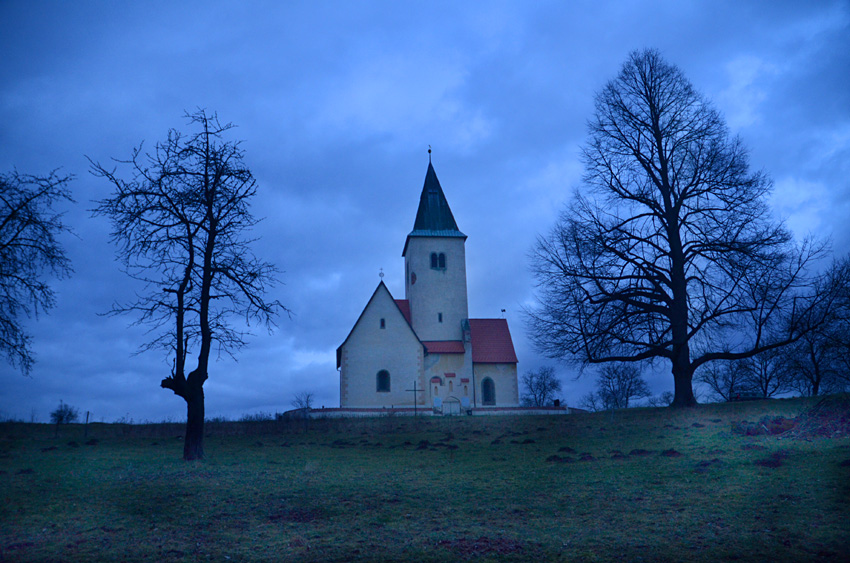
x=749, y=81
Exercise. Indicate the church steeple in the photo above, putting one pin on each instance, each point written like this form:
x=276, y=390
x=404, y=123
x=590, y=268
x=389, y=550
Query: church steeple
x=435, y=267
x=434, y=217
x=434, y=213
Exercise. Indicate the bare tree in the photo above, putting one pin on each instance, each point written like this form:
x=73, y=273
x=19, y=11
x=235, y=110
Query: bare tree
x=182, y=224
x=820, y=360
x=618, y=384
x=592, y=402
x=671, y=254
x=303, y=401
x=815, y=365
x=29, y=249
x=767, y=374
x=662, y=400
x=723, y=379
x=541, y=387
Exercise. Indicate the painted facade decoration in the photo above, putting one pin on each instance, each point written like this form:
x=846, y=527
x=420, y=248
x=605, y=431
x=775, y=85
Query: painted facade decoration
x=425, y=348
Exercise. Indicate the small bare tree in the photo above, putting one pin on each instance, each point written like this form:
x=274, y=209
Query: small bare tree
x=616, y=386
x=303, y=400
x=619, y=384
x=181, y=223
x=541, y=387
x=64, y=414
x=723, y=379
x=29, y=227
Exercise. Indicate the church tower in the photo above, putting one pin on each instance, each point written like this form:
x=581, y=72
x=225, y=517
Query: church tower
x=435, y=268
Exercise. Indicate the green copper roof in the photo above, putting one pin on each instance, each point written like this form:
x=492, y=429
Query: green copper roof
x=434, y=213
x=434, y=217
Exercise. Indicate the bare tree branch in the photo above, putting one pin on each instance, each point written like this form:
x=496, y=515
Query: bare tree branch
x=29, y=249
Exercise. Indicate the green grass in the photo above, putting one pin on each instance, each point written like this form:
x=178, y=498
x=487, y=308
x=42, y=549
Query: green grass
x=362, y=490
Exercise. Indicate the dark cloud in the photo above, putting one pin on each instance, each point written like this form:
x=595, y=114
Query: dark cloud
x=336, y=103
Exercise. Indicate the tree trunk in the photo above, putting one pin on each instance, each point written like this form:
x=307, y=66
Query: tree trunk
x=683, y=384
x=193, y=445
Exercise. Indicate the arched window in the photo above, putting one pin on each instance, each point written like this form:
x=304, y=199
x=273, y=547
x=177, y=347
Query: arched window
x=488, y=392
x=438, y=261
x=451, y=386
x=383, y=381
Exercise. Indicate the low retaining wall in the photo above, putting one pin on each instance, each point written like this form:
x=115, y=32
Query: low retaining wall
x=423, y=411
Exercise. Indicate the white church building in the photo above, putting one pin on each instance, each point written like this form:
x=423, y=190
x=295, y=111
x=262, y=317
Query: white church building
x=425, y=348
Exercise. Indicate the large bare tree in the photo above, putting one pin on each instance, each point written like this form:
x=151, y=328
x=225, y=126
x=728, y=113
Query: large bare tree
x=670, y=253
x=29, y=249
x=182, y=224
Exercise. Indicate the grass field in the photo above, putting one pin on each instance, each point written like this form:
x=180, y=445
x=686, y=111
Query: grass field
x=485, y=488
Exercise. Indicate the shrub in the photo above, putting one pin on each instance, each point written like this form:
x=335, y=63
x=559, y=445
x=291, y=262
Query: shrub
x=64, y=414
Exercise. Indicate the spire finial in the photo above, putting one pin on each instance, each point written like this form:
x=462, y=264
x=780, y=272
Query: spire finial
x=381, y=273
x=429, y=154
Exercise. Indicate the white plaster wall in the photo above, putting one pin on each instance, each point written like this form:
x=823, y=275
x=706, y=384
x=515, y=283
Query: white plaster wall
x=436, y=291
x=504, y=377
x=370, y=349
x=440, y=364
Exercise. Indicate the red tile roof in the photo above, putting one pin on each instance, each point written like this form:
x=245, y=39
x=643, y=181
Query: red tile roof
x=444, y=347
x=404, y=307
x=491, y=342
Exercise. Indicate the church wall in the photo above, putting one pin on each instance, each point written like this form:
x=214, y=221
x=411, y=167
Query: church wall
x=438, y=290
x=504, y=378
x=438, y=365
x=370, y=349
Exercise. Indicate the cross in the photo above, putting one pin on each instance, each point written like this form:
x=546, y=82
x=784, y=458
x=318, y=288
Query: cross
x=414, y=391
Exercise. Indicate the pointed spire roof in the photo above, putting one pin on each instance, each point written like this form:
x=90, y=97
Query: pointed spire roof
x=434, y=217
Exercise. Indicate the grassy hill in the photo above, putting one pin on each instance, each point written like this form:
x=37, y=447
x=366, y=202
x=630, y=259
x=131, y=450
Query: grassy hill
x=635, y=485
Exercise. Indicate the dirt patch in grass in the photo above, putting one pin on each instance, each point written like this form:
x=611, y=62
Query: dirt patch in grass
x=670, y=453
x=559, y=459
x=775, y=459
x=706, y=465
x=639, y=452
x=299, y=515
x=468, y=548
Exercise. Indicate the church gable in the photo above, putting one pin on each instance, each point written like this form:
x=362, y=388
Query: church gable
x=381, y=358
x=389, y=314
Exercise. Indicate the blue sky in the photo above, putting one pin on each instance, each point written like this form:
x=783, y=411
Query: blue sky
x=337, y=103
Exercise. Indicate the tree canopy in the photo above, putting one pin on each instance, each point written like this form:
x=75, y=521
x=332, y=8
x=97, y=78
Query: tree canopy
x=29, y=249
x=182, y=224
x=669, y=251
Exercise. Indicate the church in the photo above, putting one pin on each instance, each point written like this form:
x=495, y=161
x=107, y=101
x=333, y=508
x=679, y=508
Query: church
x=425, y=348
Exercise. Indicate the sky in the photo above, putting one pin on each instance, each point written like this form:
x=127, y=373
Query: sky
x=336, y=104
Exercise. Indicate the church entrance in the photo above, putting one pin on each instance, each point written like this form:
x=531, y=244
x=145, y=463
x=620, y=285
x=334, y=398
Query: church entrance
x=451, y=406
x=488, y=392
